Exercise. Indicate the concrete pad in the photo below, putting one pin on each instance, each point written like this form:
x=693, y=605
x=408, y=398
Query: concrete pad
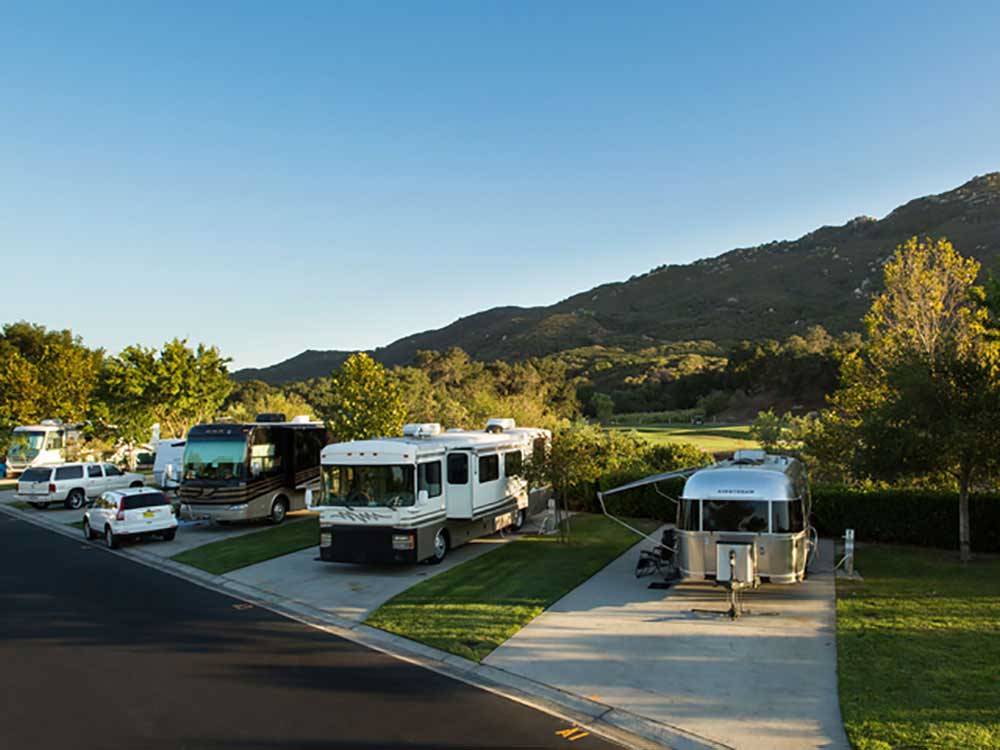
x=767, y=681
x=345, y=590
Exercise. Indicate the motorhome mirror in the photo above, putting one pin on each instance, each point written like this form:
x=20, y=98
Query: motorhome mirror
x=422, y=497
x=309, y=498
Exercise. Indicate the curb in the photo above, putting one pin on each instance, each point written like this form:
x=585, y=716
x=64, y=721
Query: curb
x=615, y=724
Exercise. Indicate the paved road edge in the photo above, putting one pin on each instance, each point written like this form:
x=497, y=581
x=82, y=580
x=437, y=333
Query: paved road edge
x=613, y=723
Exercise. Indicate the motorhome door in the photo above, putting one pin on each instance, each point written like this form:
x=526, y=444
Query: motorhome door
x=459, y=480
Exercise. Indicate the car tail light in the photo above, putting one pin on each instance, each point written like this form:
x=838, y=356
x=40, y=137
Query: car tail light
x=52, y=488
x=120, y=516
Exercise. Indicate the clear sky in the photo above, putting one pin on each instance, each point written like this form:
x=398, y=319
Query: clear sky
x=270, y=177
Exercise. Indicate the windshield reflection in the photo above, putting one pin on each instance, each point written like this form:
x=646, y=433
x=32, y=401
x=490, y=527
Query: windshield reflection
x=368, y=486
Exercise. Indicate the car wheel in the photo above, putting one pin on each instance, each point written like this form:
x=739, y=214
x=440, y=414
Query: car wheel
x=39, y=506
x=518, y=520
x=168, y=536
x=279, y=509
x=87, y=533
x=136, y=483
x=109, y=538
x=440, y=547
x=76, y=500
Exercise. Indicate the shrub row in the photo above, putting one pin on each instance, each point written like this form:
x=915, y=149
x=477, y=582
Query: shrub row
x=918, y=517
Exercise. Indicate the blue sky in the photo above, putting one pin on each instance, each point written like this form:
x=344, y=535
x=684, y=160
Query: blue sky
x=274, y=177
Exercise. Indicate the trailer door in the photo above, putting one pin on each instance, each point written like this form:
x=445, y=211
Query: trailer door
x=459, y=484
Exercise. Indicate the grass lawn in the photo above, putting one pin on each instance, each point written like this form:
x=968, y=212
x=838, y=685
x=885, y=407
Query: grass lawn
x=918, y=646
x=710, y=438
x=473, y=608
x=230, y=554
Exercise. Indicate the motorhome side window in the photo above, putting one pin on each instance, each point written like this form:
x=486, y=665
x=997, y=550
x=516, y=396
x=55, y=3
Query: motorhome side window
x=429, y=478
x=489, y=468
x=734, y=515
x=787, y=517
x=264, y=457
x=458, y=468
x=512, y=463
x=69, y=472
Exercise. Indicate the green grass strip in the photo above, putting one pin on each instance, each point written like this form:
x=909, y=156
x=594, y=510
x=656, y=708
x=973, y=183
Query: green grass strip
x=474, y=607
x=918, y=647
x=247, y=549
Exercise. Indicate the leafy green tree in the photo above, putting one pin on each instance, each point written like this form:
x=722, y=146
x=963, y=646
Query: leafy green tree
x=44, y=374
x=360, y=400
x=177, y=386
x=923, y=394
x=254, y=397
x=603, y=406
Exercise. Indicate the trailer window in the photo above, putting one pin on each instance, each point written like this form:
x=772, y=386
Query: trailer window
x=734, y=515
x=458, y=468
x=489, y=468
x=512, y=463
x=787, y=517
x=689, y=515
x=429, y=478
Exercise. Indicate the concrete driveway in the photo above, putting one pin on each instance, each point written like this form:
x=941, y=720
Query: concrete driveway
x=766, y=681
x=349, y=591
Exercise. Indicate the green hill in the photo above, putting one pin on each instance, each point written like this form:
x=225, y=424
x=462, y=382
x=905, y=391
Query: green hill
x=769, y=291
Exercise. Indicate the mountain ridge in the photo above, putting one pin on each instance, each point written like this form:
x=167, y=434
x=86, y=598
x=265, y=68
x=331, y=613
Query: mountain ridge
x=772, y=290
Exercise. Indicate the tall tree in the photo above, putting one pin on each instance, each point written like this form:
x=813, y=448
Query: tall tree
x=923, y=394
x=360, y=400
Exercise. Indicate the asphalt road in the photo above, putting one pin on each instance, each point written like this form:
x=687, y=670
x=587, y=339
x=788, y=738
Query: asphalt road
x=100, y=652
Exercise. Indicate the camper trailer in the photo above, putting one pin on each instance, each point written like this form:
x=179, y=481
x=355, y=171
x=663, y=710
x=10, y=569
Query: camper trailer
x=243, y=472
x=410, y=499
x=40, y=444
x=744, y=519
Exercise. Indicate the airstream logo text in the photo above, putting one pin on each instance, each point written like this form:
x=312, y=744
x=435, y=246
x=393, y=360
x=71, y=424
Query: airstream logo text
x=736, y=492
x=362, y=516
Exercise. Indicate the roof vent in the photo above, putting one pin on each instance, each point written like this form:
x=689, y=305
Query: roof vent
x=270, y=416
x=500, y=425
x=424, y=429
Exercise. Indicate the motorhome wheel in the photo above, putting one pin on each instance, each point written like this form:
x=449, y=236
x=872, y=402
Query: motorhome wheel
x=279, y=509
x=440, y=547
x=518, y=520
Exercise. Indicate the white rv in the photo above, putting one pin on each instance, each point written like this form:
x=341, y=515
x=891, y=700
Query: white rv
x=40, y=444
x=412, y=498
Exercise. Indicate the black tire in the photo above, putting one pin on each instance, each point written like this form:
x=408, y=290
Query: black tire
x=441, y=546
x=519, y=517
x=75, y=500
x=136, y=483
x=88, y=533
x=110, y=539
x=40, y=506
x=279, y=511
x=168, y=536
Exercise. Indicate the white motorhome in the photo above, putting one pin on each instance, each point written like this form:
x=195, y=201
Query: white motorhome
x=168, y=462
x=42, y=444
x=412, y=498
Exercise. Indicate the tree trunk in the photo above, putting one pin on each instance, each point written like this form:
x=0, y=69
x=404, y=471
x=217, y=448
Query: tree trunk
x=964, y=535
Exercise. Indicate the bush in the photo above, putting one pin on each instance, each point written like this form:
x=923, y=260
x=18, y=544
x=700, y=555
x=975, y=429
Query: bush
x=920, y=517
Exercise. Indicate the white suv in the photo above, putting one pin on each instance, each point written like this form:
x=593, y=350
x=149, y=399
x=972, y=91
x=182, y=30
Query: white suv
x=131, y=513
x=72, y=484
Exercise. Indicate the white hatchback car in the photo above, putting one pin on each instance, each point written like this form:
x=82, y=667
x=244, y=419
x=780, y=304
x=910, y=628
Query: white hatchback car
x=131, y=513
x=72, y=484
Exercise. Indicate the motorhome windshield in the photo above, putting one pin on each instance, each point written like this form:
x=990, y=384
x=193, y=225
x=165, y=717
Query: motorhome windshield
x=24, y=446
x=217, y=459
x=368, y=486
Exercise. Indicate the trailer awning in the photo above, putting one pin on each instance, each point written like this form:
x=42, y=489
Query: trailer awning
x=653, y=479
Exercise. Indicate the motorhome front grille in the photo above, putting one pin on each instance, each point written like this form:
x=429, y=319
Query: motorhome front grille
x=363, y=545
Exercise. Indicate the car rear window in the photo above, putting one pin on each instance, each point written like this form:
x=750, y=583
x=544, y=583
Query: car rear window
x=36, y=475
x=69, y=472
x=144, y=500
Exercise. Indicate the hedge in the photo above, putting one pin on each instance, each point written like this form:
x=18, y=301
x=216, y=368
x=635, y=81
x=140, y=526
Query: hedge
x=918, y=517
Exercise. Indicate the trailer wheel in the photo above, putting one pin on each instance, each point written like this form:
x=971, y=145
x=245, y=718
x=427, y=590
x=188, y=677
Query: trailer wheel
x=441, y=544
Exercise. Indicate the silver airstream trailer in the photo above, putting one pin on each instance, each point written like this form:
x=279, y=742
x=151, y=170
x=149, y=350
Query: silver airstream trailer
x=743, y=519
